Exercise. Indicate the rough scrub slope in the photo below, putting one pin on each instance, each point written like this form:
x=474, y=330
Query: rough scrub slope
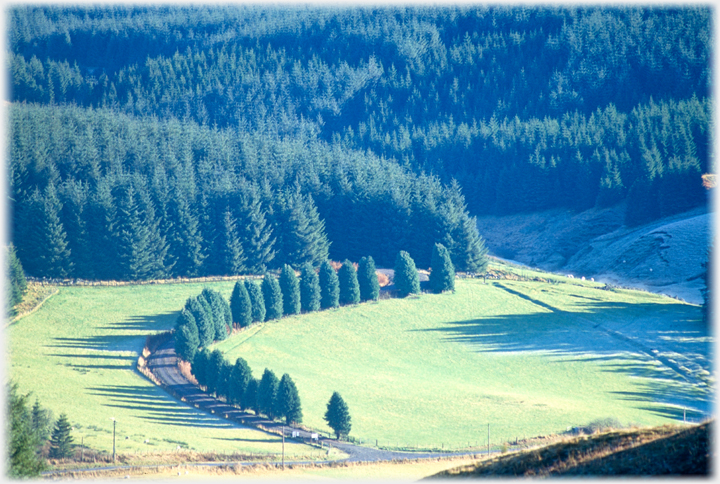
x=665, y=256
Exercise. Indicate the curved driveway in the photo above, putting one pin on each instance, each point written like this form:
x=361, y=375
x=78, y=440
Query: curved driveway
x=163, y=363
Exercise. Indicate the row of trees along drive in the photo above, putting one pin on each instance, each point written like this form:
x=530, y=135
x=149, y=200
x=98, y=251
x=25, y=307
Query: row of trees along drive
x=208, y=317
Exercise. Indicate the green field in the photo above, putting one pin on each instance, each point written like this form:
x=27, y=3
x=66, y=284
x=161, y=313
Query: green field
x=528, y=358
x=77, y=355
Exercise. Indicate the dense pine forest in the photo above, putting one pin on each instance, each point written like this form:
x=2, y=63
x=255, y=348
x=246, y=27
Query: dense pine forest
x=152, y=142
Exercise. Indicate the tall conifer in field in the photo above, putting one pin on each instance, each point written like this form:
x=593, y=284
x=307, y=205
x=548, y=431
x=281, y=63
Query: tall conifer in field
x=250, y=398
x=273, y=298
x=213, y=374
x=203, y=320
x=61, y=442
x=267, y=389
x=23, y=459
x=222, y=386
x=222, y=317
x=406, y=278
x=337, y=416
x=349, y=288
x=290, y=287
x=287, y=401
x=187, y=338
x=367, y=279
x=18, y=282
x=442, y=276
x=199, y=366
x=257, y=300
x=329, y=286
x=309, y=289
x=239, y=378
x=240, y=305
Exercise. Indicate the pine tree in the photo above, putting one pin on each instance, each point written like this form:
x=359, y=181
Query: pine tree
x=287, y=401
x=273, y=298
x=267, y=389
x=256, y=300
x=406, y=278
x=329, y=286
x=223, y=386
x=240, y=376
x=348, y=282
x=213, y=370
x=309, y=289
x=222, y=317
x=337, y=416
x=231, y=251
x=203, y=321
x=18, y=283
x=199, y=366
x=469, y=253
x=22, y=452
x=367, y=280
x=303, y=232
x=250, y=398
x=290, y=287
x=186, y=242
x=442, y=275
x=42, y=422
x=47, y=239
x=61, y=442
x=187, y=339
x=258, y=242
x=240, y=305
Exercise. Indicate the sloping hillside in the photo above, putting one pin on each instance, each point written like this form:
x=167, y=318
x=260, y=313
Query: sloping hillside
x=668, y=451
x=665, y=256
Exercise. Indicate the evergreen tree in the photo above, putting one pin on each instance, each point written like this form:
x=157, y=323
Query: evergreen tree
x=47, y=239
x=187, y=339
x=273, y=298
x=469, y=253
x=42, y=422
x=186, y=242
x=337, y=416
x=231, y=251
x=213, y=369
x=23, y=460
x=18, y=283
x=258, y=240
x=61, y=442
x=222, y=316
x=240, y=376
x=290, y=288
x=348, y=282
x=199, y=366
x=267, y=389
x=442, y=275
x=303, y=232
x=287, y=401
x=309, y=289
x=329, y=286
x=367, y=280
x=250, y=398
x=223, y=384
x=406, y=278
x=203, y=321
x=257, y=300
x=240, y=305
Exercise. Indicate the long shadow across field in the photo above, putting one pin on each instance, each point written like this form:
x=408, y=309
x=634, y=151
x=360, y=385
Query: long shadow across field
x=152, y=404
x=628, y=338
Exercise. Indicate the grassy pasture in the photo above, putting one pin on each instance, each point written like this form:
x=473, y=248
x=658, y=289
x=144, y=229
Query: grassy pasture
x=529, y=358
x=77, y=355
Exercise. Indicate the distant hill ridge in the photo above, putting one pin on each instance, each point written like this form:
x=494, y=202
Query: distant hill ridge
x=665, y=256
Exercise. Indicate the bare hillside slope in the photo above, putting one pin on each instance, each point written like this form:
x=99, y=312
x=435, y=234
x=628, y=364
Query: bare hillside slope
x=665, y=256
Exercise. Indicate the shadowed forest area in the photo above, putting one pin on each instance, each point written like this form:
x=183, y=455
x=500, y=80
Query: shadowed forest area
x=150, y=142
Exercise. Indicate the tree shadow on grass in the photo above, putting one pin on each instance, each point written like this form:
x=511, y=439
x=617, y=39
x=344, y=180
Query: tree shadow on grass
x=650, y=341
x=146, y=323
x=153, y=405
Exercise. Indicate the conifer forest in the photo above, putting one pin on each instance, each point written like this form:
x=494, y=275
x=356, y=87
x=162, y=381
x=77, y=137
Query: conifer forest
x=180, y=141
